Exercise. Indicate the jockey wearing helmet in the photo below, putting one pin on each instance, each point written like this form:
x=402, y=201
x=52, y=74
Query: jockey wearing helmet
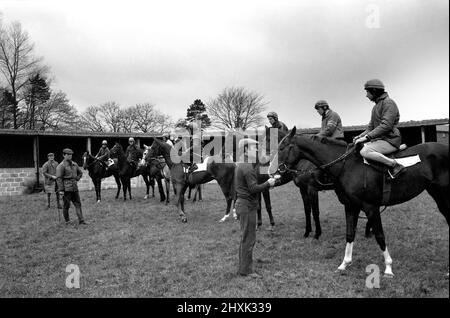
x=103, y=154
x=273, y=119
x=331, y=121
x=132, y=153
x=382, y=135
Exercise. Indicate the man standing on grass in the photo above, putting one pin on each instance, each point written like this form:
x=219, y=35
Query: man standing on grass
x=49, y=172
x=247, y=190
x=68, y=173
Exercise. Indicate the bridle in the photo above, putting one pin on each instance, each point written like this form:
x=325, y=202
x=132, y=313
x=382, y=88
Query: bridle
x=283, y=168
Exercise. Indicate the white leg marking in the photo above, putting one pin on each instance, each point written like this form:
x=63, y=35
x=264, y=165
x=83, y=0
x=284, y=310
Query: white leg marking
x=388, y=262
x=347, y=258
x=225, y=217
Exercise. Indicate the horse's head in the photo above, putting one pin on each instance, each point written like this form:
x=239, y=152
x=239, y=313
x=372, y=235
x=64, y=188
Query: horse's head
x=85, y=160
x=116, y=150
x=288, y=152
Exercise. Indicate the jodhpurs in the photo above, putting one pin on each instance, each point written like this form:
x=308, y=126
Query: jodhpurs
x=375, y=150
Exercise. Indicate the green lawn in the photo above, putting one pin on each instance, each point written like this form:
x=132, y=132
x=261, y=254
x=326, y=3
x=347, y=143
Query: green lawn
x=139, y=248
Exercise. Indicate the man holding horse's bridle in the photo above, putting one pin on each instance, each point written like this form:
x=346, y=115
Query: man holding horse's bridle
x=247, y=189
x=382, y=135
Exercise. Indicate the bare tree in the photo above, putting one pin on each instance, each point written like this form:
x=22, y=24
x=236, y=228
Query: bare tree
x=127, y=119
x=149, y=119
x=111, y=114
x=58, y=114
x=17, y=62
x=92, y=121
x=236, y=107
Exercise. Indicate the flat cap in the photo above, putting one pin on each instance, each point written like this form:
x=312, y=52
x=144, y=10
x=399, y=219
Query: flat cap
x=68, y=151
x=50, y=154
x=247, y=141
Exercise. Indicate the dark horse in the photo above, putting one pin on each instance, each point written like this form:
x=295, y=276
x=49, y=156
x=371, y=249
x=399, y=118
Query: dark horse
x=126, y=171
x=309, y=179
x=182, y=178
x=97, y=171
x=360, y=187
x=157, y=170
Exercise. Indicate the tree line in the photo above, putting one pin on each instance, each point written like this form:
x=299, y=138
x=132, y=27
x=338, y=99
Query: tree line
x=27, y=100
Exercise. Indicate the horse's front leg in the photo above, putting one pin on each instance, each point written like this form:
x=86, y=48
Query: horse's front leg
x=119, y=185
x=375, y=221
x=181, y=189
x=307, y=209
x=258, y=212
x=350, y=236
x=313, y=195
x=268, y=204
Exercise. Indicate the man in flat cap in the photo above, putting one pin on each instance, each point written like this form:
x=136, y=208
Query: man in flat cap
x=68, y=173
x=247, y=190
x=49, y=172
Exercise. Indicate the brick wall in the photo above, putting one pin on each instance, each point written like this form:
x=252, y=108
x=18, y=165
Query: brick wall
x=12, y=179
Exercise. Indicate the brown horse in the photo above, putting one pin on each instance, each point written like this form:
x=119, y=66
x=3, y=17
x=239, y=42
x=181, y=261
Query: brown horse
x=97, y=171
x=182, y=177
x=360, y=187
x=310, y=180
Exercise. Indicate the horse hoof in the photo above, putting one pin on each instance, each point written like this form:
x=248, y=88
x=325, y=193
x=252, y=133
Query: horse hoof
x=317, y=236
x=306, y=234
x=184, y=220
x=98, y=201
x=272, y=228
x=146, y=197
x=224, y=219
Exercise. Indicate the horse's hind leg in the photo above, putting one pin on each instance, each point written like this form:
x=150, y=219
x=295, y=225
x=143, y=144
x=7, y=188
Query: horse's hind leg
x=307, y=208
x=313, y=196
x=129, y=188
x=440, y=196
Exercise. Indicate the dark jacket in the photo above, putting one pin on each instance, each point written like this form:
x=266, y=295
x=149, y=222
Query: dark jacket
x=246, y=183
x=68, y=173
x=49, y=170
x=281, y=126
x=103, y=154
x=331, y=125
x=132, y=153
x=383, y=122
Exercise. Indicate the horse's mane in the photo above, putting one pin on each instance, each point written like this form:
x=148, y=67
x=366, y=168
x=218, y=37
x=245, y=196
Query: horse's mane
x=326, y=140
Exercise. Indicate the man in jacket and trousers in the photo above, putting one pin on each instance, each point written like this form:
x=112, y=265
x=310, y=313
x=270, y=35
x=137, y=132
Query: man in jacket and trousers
x=247, y=188
x=68, y=173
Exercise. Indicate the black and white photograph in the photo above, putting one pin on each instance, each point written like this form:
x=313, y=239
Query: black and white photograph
x=223, y=155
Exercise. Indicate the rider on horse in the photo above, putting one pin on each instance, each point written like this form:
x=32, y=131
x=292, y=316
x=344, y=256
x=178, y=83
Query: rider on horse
x=132, y=153
x=103, y=154
x=331, y=121
x=273, y=119
x=382, y=135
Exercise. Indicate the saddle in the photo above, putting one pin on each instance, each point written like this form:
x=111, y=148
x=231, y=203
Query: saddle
x=387, y=178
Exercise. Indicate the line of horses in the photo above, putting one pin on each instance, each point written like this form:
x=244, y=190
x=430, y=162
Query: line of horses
x=303, y=160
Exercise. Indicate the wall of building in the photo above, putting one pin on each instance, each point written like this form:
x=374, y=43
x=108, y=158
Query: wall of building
x=12, y=181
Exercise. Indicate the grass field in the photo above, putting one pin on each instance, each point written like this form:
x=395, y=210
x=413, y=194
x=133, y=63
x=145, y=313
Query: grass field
x=140, y=249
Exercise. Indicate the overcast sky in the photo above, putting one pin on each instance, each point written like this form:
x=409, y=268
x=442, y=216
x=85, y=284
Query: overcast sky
x=170, y=53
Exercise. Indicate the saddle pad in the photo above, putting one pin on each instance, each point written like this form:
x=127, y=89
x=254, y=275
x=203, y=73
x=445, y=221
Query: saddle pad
x=405, y=162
